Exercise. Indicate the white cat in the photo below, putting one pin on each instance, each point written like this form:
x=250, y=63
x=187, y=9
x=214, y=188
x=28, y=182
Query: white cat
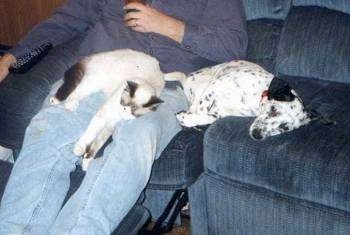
x=132, y=82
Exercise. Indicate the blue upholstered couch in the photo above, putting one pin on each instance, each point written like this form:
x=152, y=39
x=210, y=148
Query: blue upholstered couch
x=295, y=183
x=298, y=182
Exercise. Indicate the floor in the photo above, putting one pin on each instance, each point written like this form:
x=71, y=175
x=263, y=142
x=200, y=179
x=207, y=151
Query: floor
x=184, y=229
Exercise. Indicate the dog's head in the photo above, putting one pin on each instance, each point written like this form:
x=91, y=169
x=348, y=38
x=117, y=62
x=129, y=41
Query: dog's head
x=281, y=110
x=139, y=98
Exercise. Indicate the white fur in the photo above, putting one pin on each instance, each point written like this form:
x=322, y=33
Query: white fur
x=235, y=89
x=109, y=72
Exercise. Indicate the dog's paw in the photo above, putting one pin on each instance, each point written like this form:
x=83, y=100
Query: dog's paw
x=184, y=119
x=191, y=119
x=79, y=149
x=54, y=101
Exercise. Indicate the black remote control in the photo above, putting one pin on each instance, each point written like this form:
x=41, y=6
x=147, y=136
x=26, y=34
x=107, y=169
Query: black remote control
x=28, y=60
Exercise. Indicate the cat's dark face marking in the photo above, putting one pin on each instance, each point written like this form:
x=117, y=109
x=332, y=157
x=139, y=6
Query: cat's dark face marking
x=140, y=98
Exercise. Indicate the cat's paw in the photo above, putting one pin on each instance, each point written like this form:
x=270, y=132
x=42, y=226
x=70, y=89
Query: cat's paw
x=71, y=105
x=85, y=164
x=79, y=150
x=54, y=101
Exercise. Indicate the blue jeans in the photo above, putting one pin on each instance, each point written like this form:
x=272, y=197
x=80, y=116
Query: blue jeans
x=40, y=178
x=21, y=95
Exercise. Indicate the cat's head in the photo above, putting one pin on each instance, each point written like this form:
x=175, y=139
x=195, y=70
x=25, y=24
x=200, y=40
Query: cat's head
x=139, y=98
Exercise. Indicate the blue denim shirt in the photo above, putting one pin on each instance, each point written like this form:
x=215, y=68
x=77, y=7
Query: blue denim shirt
x=214, y=31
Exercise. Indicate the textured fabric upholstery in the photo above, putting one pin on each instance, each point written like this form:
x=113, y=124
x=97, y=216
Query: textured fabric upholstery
x=243, y=209
x=5, y=170
x=272, y=9
x=316, y=46
x=264, y=36
x=297, y=182
x=180, y=163
x=299, y=163
x=338, y=5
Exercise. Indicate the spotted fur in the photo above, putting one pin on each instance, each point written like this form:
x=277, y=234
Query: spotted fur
x=235, y=89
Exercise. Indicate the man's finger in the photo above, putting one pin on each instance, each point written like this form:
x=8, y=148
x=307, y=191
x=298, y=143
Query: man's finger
x=131, y=15
x=134, y=5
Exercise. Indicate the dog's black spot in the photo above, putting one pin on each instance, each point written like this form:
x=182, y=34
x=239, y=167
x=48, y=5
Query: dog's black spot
x=72, y=78
x=284, y=126
x=273, y=111
x=201, y=108
x=256, y=134
x=253, y=74
x=201, y=102
x=243, y=100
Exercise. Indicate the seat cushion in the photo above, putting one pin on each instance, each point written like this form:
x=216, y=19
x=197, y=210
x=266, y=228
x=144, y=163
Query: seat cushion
x=5, y=170
x=311, y=163
x=180, y=163
x=315, y=43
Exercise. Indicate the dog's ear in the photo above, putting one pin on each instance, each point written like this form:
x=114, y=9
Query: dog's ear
x=153, y=102
x=280, y=90
x=131, y=88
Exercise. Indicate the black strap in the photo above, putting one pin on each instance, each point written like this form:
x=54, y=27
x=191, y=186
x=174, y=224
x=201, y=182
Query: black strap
x=178, y=200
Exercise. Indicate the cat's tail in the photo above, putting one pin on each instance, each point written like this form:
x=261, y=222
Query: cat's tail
x=175, y=76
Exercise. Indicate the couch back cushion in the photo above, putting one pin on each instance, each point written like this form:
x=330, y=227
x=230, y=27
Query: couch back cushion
x=338, y=5
x=271, y=9
x=315, y=43
x=263, y=38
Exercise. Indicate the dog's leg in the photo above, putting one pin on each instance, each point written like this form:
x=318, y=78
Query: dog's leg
x=193, y=119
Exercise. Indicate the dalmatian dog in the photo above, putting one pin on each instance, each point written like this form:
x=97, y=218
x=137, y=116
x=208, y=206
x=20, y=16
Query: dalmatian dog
x=242, y=88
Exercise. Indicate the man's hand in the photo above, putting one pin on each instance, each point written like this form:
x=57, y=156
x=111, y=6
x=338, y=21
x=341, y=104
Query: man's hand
x=149, y=20
x=5, y=63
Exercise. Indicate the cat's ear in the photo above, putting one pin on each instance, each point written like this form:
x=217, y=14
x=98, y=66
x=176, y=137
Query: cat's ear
x=131, y=88
x=154, y=101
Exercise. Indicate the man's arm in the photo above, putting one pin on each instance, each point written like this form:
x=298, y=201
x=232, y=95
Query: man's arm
x=69, y=20
x=221, y=36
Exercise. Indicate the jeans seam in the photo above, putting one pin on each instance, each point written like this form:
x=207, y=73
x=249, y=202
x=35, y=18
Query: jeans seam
x=38, y=207
x=97, y=175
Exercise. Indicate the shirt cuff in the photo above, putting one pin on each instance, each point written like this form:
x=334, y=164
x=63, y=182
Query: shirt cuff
x=18, y=51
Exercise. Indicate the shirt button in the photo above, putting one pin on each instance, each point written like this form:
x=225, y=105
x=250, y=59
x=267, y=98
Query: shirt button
x=188, y=47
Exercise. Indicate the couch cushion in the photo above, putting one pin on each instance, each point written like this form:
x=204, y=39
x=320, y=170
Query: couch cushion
x=264, y=36
x=339, y=5
x=271, y=9
x=315, y=43
x=311, y=163
x=180, y=163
